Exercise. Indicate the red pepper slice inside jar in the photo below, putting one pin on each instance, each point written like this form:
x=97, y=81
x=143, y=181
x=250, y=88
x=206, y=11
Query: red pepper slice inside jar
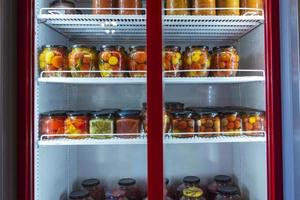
x=95, y=189
x=128, y=123
x=77, y=123
x=52, y=123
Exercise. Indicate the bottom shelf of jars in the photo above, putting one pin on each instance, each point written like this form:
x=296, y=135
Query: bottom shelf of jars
x=170, y=138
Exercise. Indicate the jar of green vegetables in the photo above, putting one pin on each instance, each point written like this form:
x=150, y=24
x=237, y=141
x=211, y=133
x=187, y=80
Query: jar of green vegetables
x=102, y=124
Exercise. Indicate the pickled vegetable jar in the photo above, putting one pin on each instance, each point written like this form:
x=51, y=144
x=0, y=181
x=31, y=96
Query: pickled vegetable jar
x=95, y=189
x=80, y=195
x=255, y=4
x=128, y=185
x=228, y=193
x=112, y=61
x=204, y=4
x=219, y=181
x=253, y=121
x=83, y=58
x=128, y=123
x=196, y=58
x=228, y=4
x=170, y=107
x=225, y=58
x=189, y=182
x=172, y=61
x=77, y=123
x=102, y=122
x=231, y=124
x=52, y=123
x=182, y=122
x=208, y=122
x=53, y=58
x=138, y=61
x=134, y=5
x=192, y=193
x=173, y=5
x=105, y=7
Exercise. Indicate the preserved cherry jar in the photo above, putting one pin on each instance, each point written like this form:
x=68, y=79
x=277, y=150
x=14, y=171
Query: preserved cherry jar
x=188, y=182
x=203, y=4
x=207, y=123
x=134, y=5
x=192, y=193
x=196, y=58
x=138, y=61
x=102, y=122
x=173, y=5
x=95, y=189
x=80, y=195
x=231, y=124
x=52, y=123
x=219, y=181
x=253, y=121
x=228, y=193
x=53, y=58
x=228, y=4
x=172, y=61
x=128, y=185
x=183, y=122
x=255, y=4
x=77, y=123
x=105, y=7
x=128, y=123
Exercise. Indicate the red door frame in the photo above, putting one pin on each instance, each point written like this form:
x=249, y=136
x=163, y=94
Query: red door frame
x=155, y=143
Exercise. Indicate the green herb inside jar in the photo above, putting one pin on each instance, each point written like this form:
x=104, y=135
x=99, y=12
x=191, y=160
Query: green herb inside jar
x=102, y=123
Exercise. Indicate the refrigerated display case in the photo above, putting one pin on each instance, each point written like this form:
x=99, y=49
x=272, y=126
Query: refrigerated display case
x=51, y=166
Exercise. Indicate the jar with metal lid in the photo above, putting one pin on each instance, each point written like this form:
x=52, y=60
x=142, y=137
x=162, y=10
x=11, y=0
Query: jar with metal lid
x=170, y=107
x=138, y=61
x=188, y=182
x=53, y=58
x=83, y=58
x=77, y=123
x=130, y=7
x=232, y=7
x=113, y=110
x=231, y=124
x=105, y=7
x=254, y=5
x=52, y=123
x=95, y=189
x=128, y=185
x=192, y=193
x=196, y=58
x=80, y=195
x=172, y=61
x=112, y=60
x=200, y=7
x=102, y=122
x=253, y=121
x=177, y=7
x=228, y=193
x=227, y=59
x=128, y=123
x=219, y=181
x=183, y=124
x=117, y=195
x=208, y=124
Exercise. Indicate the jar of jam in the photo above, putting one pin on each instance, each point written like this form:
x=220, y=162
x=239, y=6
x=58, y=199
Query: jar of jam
x=183, y=122
x=225, y=58
x=132, y=192
x=188, y=182
x=219, y=181
x=112, y=60
x=138, y=61
x=102, y=122
x=105, y=7
x=52, y=123
x=254, y=4
x=172, y=61
x=231, y=124
x=95, y=189
x=208, y=124
x=196, y=58
x=53, y=58
x=83, y=58
x=204, y=4
x=80, y=195
x=169, y=108
x=128, y=123
x=177, y=7
x=228, y=193
x=228, y=4
x=253, y=121
x=130, y=7
x=192, y=193
x=77, y=123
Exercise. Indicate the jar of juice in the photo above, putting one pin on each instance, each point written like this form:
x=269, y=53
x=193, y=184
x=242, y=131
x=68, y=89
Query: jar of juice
x=253, y=121
x=177, y=7
x=52, y=123
x=138, y=61
x=183, y=122
x=83, y=58
x=208, y=124
x=80, y=195
x=53, y=58
x=192, y=193
x=196, y=4
x=77, y=123
x=231, y=124
x=128, y=123
x=95, y=189
x=188, y=182
x=196, y=58
x=133, y=7
x=219, y=181
x=128, y=185
x=105, y=7
x=228, y=193
x=254, y=4
x=102, y=122
x=228, y=4
x=172, y=61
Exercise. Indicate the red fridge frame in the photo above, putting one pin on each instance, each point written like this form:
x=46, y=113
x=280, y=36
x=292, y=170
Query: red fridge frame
x=26, y=17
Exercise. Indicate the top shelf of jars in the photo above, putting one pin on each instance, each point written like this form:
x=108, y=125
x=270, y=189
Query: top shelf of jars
x=81, y=25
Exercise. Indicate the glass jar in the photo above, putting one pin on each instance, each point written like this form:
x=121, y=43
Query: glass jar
x=128, y=123
x=138, y=61
x=204, y=4
x=219, y=181
x=228, y=193
x=172, y=61
x=255, y=4
x=111, y=61
x=52, y=123
x=128, y=185
x=95, y=189
x=183, y=122
x=53, y=58
x=253, y=121
x=225, y=58
x=196, y=58
x=169, y=108
x=80, y=195
x=172, y=5
x=134, y=5
x=77, y=123
x=102, y=122
x=117, y=195
x=83, y=58
x=228, y=4
x=231, y=124
x=188, y=182
x=208, y=124
x=105, y=7
x=192, y=193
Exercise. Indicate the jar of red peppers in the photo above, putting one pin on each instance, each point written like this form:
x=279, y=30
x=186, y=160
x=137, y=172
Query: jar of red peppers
x=219, y=181
x=77, y=123
x=188, y=182
x=95, y=188
x=128, y=185
x=138, y=61
x=231, y=124
x=228, y=193
x=169, y=108
x=105, y=7
x=80, y=195
x=53, y=58
x=172, y=61
x=208, y=124
x=253, y=121
x=133, y=7
x=182, y=122
x=112, y=60
x=128, y=123
x=52, y=123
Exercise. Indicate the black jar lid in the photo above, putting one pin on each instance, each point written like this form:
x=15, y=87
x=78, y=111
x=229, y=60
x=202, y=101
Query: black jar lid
x=174, y=105
x=173, y=47
x=129, y=113
x=181, y=113
x=64, y=3
x=227, y=47
x=198, y=47
x=127, y=181
x=110, y=47
x=191, y=180
x=90, y=182
x=104, y=114
x=167, y=181
x=79, y=194
x=141, y=48
x=54, y=46
x=55, y=113
x=113, y=110
x=78, y=113
x=83, y=46
x=222, y=178
x=228, y=190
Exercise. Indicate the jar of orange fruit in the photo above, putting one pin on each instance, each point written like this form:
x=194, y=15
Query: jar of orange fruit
x=138, y=61
x=172, y=61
